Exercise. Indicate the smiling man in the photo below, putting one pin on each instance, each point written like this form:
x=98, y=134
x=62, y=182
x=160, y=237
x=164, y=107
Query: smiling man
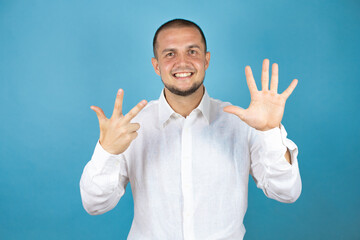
x=188, y=156
x=181, y=60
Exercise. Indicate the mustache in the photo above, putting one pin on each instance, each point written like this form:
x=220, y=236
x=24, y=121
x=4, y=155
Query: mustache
x=182, y=69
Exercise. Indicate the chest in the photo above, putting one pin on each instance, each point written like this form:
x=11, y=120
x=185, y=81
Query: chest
x=210, y=155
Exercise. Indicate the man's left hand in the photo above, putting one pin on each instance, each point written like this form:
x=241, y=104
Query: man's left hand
x=266, y=108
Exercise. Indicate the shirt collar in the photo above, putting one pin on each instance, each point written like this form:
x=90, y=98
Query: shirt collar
x=165, y=111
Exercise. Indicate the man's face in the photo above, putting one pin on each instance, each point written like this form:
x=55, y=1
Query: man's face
x=181, y=59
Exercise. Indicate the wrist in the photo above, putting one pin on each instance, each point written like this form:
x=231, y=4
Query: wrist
x=106, y=148
x=268, y=128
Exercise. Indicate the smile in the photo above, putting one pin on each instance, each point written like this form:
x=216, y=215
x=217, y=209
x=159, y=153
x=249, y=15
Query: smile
x=182, y=74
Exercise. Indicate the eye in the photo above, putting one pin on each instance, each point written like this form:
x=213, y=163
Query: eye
x=192, y=52
x=170, y=54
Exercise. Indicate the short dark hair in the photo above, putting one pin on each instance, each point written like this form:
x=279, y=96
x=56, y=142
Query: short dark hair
x=177, y=23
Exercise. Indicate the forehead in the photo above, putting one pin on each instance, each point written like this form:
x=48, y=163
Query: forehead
x=179, y=37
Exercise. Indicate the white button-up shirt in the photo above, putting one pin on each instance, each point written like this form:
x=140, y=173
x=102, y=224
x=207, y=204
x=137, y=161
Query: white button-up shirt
x=189, y=176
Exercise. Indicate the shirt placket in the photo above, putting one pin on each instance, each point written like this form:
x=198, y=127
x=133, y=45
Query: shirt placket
x=186, y=183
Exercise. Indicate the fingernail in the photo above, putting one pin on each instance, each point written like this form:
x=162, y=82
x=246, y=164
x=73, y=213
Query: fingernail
x=143, y=102
x=120, y=91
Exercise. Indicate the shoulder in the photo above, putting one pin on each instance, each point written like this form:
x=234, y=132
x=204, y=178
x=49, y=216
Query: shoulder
x=217, y=106
x=148, y=113
x=217, y=103
x=217, y=113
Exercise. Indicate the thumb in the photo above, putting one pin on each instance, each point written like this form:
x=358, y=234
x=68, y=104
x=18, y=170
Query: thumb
x=99, y=112
x=236, y=111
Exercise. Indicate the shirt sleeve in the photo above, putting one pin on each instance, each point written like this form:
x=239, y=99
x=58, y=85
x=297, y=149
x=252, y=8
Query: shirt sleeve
x=103, y=181
x=271, y=172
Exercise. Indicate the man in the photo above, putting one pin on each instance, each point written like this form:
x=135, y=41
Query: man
x=188, y=156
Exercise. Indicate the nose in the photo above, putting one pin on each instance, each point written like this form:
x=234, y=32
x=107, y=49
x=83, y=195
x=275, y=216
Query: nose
x=182, y=60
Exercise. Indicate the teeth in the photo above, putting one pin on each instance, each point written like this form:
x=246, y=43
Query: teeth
x=182, y=74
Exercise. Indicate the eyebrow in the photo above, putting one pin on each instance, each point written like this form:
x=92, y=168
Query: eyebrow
x=194, y=46
x=168, y=50
x=173, y=49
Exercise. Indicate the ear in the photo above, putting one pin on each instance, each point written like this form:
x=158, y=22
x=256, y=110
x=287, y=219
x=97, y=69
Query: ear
x=207, y=60
x=155, y=64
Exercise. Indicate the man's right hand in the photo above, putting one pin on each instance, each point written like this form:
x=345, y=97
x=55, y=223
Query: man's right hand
x=117, y=133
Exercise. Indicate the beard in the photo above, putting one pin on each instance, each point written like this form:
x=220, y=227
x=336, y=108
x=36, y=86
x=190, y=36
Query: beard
x=184, y=93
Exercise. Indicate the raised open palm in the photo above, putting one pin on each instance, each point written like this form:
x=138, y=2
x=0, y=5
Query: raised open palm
x=266, y=108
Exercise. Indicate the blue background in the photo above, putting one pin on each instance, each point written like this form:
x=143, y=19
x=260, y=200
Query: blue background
x=59, y=57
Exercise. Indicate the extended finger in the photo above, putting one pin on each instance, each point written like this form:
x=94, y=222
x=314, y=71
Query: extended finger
x=290, y=89
x=274, y=78
x=99, y=113
x=235, y=110
x=250, y=80
x=133, y=112
x=118, y=104
x=265, y=75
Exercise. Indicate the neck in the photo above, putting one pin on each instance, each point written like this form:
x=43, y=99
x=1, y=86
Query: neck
x=184, y=105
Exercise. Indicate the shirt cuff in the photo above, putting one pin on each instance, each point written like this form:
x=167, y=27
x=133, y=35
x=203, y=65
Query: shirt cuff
x=275, y=141
x=276, y=138
x=104, y=160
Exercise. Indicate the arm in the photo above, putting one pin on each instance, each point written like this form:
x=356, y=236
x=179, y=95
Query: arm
x=271, y=172
x=273, y=157
x=105, y=177
x=103, y=181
